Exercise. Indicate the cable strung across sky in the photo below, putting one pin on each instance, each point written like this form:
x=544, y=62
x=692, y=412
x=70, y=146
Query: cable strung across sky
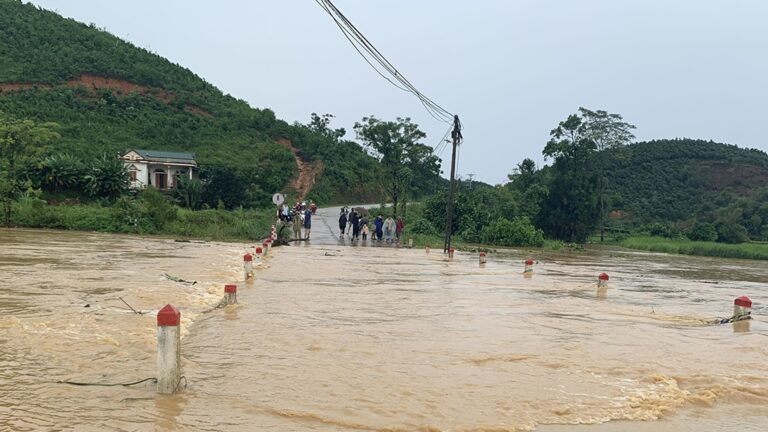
x=372, y=56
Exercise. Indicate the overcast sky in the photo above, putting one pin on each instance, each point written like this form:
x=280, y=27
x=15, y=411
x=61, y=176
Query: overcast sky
x=511, y=69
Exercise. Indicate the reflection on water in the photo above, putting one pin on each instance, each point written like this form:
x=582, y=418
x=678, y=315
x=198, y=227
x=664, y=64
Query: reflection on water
x=349, y=338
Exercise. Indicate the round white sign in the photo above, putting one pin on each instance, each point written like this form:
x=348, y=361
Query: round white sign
x=278, y=198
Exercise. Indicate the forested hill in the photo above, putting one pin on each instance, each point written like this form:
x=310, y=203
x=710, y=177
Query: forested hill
x=684, y=179
x=108, y=96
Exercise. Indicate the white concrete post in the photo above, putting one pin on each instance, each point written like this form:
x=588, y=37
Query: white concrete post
x=259, y=252
x=410, y=242
x=247, y=266
x=528, y=266
x=426, y=248
x=230, y=294
x=168, y=349
x=602, y=279
x=482, y=257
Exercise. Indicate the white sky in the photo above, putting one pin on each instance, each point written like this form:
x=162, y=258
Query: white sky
x=511, y=69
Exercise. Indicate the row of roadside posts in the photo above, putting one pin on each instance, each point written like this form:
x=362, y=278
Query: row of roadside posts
x=169, y=317
x=169, y=321
x=742, y=306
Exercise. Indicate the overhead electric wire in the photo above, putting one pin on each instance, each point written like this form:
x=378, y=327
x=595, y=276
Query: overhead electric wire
x=428, y=103
x=345, y=32
x=358, y=41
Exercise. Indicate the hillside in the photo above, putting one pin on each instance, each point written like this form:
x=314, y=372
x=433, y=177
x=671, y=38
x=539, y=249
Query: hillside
x=676, y=180
x=109, y=95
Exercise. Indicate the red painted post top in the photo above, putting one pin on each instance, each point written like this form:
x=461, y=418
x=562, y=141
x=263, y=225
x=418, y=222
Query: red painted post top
x=230, y=289
x=603, y=276
x=482, y=254
x=258, y=250
x=264, y=244
x=529, y=262
x=743, y=301
x=168, y=316
x=247, y=258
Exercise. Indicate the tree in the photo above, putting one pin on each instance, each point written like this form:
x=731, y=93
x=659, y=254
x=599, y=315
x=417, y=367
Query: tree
x=107, y=178
x=570, y=210
x=21, y=144
x=423, y=171
x=606, y=131
x=402, y=157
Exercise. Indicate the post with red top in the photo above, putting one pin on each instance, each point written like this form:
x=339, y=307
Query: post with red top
x=247, y=266
x=410, y=242
x=482, y=258
x=450, y=253
x=426, y=248
x=230, y=294
x=602, y=279
x=168, y=349
x=528, y=266
x=265, y=245
x=259, y=252
x=742, y=309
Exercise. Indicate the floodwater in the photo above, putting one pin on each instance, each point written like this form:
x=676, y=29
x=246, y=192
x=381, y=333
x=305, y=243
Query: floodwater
x=331, y=337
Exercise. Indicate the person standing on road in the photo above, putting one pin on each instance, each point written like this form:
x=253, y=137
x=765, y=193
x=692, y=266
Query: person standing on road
x=355, y=221
x=342, y=223
x=307, y=223
x=364, y=227
x=378, y=224
x=296, y=221
x=399, y=226
x=389, y=229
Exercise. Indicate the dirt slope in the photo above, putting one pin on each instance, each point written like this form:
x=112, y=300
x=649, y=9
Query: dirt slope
x=308, y=171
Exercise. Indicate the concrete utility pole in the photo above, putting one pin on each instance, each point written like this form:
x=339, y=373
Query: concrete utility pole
x=456, y=135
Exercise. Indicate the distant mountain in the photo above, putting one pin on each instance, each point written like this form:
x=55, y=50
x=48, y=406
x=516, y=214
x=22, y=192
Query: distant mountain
x=675, y=180
x=109, y=96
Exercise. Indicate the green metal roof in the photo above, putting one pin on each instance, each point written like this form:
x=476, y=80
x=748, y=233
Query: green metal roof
x=154, y=154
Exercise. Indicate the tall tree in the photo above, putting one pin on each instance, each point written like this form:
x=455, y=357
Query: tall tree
x=396, y=145
x=606, y=131
x=570, y=210
x=21, y=144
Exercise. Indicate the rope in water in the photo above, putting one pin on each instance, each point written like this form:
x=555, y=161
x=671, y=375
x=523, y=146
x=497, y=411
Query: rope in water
x=153, y=379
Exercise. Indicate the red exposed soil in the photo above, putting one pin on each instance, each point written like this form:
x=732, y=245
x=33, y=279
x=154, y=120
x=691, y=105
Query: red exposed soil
x=118, y=87
x=308, y=171
x=742, y=179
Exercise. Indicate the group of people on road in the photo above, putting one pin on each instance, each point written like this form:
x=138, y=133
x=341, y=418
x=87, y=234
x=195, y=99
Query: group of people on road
x=356, y=224
x=298, y=217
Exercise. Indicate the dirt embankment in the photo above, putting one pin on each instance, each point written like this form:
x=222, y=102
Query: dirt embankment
x=308, y=171
x=118, y=87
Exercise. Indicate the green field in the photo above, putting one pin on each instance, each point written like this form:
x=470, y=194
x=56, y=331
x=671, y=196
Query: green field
x=753, y=250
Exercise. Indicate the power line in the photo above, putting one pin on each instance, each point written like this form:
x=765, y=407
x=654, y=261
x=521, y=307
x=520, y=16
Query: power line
x=362, y=45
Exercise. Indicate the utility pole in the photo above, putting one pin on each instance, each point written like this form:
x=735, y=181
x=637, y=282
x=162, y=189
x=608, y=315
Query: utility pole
x=456, y=135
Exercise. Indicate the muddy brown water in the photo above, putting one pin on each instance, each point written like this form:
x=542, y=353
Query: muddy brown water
x=332, y=337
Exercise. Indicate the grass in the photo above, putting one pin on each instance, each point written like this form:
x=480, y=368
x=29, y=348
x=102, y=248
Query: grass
x=755, y=251
x=212, y=224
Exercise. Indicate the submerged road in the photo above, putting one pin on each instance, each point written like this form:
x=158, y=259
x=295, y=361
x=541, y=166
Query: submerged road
x=332, y=338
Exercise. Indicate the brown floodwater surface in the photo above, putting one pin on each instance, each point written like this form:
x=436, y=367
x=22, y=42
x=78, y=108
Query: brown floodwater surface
x=332, y=337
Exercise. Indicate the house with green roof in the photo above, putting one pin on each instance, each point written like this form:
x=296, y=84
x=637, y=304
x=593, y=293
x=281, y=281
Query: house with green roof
x=159, y=169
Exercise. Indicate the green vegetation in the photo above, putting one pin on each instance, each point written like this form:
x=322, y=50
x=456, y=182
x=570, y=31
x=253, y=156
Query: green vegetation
x=757, y=251
x=109, y=96
x=149, y=213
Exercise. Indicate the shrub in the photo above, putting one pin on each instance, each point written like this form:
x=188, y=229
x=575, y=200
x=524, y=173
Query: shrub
x=731, y=233
x=702, y=231
x=517, y=232
x=422, y=226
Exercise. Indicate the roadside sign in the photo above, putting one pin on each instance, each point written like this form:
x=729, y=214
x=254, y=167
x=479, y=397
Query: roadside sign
x=278, y=198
